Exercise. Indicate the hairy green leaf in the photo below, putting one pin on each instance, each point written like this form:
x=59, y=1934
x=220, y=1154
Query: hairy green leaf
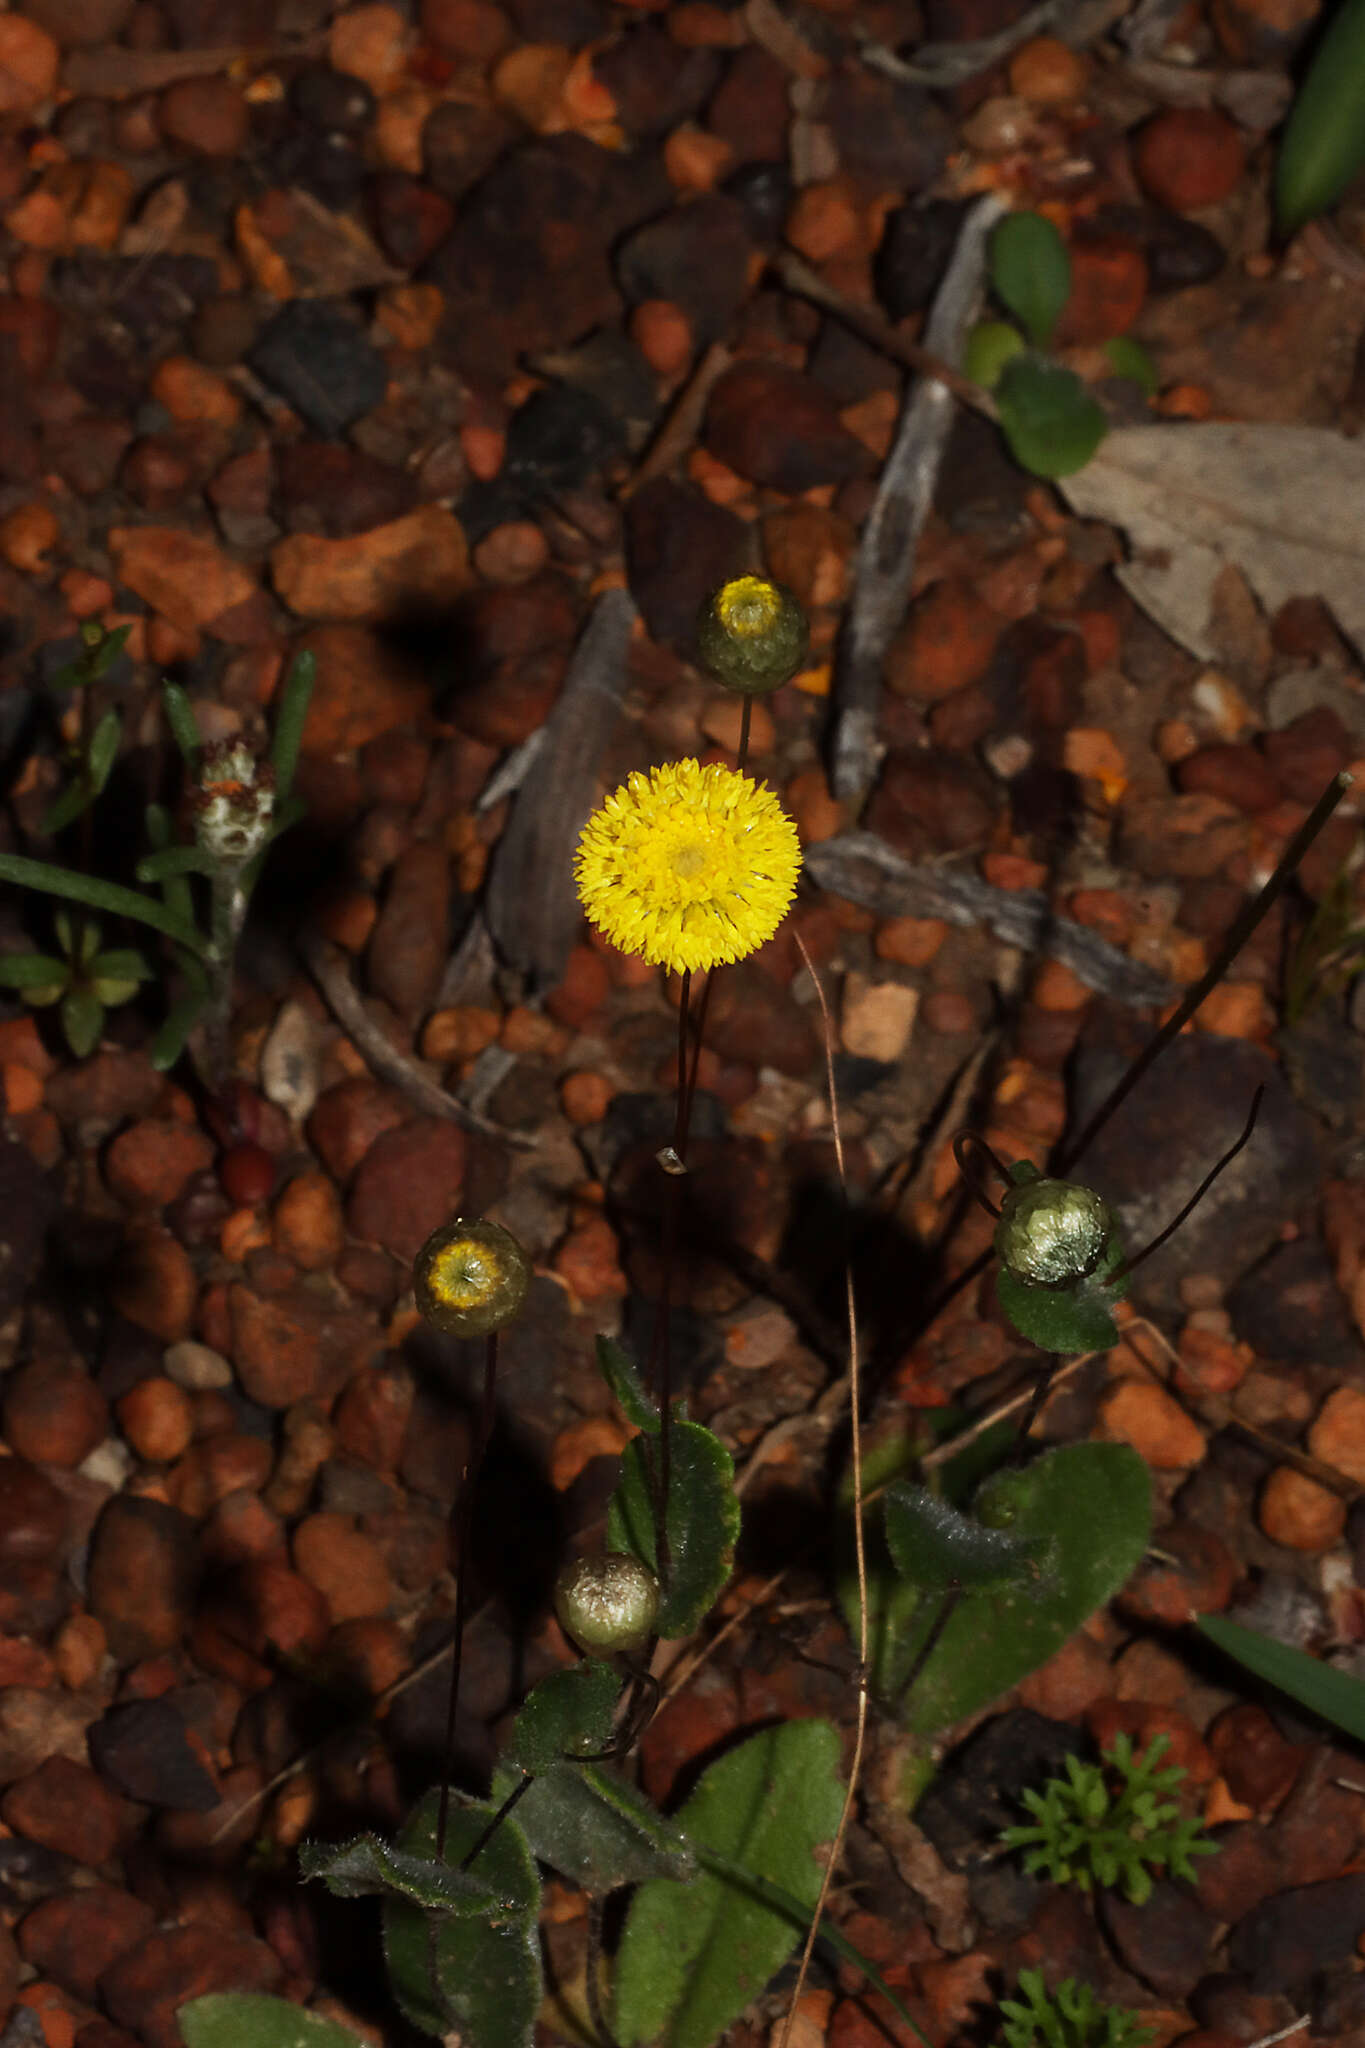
x=693, y=1956
x=368, y=1864
x=252, y=2019
x=935, y=1545
x=595, y=1829
x=477, y=1978
x=702, y=1520
x=619, y=1371
x=569, y=1712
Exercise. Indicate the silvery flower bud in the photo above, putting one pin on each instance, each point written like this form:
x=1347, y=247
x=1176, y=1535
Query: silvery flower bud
x=607, y=1604
x=1052, y=1232
x=234, y=804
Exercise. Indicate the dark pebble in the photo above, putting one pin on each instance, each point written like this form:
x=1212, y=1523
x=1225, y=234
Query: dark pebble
x=1284, y=1943
x=1180, y=252
x=224, y=329
x=698, y=256
x=890, y=133
x=141, y=1576
x=330, y=167
x=977, y=1791
x=778, y=428
x=411, y=219
x=1157, y=1149
x=330, y=488
x=764, y=190
x=1166, y=1941
x=571, y=22
x=679, y=547
x=1244, y=1872
x=749, y=108
x=969, y=21
x=411, y=941
x=28, y=1205
x=33, y=1514
x=655, y=85
x=331, y=102
x=460, y=142
x=315, y=357
x=927, y=803
x=848, y=367
x=145, y=1987
x=144, y=1751
x=1290, y=1308
x=556, y=441
x=1308, y=752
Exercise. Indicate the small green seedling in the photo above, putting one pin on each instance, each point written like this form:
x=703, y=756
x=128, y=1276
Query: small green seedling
x=1110, y=1825
x=1069, y=2017
x=86, y=979
x=1051, y=422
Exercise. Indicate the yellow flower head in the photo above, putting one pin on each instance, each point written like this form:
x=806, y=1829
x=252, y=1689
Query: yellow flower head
x=688, y=866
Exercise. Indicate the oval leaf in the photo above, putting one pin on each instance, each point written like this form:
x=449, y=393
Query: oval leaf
x=990, y=345
x=703, y=1520
x=693, y=1956
x=596, y=1830
x=1052, y=424
x=570, y=1711
x=618, y=1369
x=935, y=1546
x=351, y=1870
x=1324, y=138
x=251, y=2019
x=478, y=1978
x=1031, y=273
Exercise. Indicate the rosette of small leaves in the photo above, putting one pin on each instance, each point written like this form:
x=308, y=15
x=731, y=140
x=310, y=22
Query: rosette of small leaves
x=1090, y=1831
x=86, y=978
x=1069, y=2017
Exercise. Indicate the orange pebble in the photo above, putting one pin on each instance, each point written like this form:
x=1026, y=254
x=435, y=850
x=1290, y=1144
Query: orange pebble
x=484, y=448
x=23, y=1089
x=661, y=331
x=1298, y=1513
x=167, y=642
x=695, y=160
x=191, y=392
x=596, y=1436
x=910, y=941
x=1055, y=987
x=825, y=221
x=585, y=1096
x=78, y=1650
x=85, y=594
x=1185, y=402
x=1046, y=73
x=242, y=1232
x=50, y=2005
x=157, y=1417
x=1235, y=1009
x=27, y=535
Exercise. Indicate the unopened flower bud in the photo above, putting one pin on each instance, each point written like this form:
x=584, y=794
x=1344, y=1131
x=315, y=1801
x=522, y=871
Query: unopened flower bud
x=1052, y=1232
x=234, y=804
x=751, y=635
x=470, y=1278
x=607, y=1604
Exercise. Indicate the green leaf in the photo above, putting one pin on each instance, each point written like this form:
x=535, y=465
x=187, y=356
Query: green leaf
x=1089, y=1505
x=990, y=345
x=82, y=1016
x=176, y=893
x=251, y=2019
x=1324, y=137
x=693, y=1956
x=1052, y=424
x=1031, y=273
x=569, y=1712
x=173, y=860
x=595, y=1829
x=1130, y=359
x=935, y=1546
x=169, y=1042
x=66, y=808
x=30, y=971
x=182, y=722
x=702, y=1520
x=122, y=963
x=478, y=1979
x=1066, y=1319
x=99, y=894
x=1335, y=1695
x=107, y=651
x=103, y=753
x=295, y=695
x=369, y=1864
x=618, y=1369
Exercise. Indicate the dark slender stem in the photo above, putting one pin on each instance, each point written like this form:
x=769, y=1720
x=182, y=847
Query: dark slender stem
x=965, y=1147
x=1240, y=932
x=947, y=1609
x=1130, y=1265
x=469, y=1482
x=593, y=1989
x=745, y=721
x=508, y=1806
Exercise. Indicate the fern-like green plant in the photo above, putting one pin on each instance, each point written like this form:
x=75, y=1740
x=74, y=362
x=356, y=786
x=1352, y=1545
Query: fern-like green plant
x=1069, y=2017
x=1087, y=1832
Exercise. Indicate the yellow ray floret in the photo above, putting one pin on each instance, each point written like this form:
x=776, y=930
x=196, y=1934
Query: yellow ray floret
x=688, y=866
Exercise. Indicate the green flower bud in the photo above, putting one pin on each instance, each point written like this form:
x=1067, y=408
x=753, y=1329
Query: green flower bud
x=1052, y=1232
x=470, y=1278
x=606, y=1604
x=751, y=635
